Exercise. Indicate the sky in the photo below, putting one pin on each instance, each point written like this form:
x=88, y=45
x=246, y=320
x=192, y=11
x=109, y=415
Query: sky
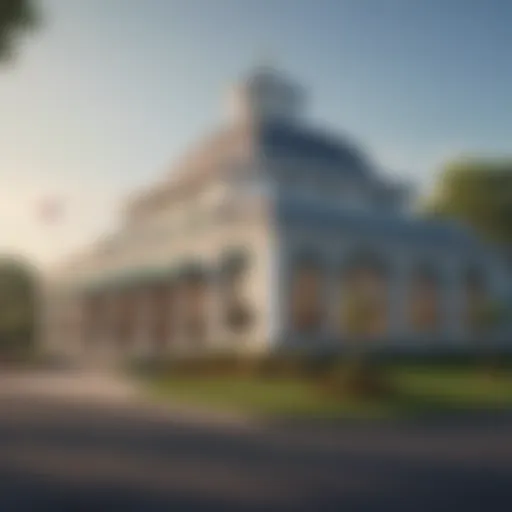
x=108, y=93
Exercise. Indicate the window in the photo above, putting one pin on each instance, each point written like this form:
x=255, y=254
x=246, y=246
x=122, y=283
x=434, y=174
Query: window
x=424, y=300
x=306, y=296
x=365, y=284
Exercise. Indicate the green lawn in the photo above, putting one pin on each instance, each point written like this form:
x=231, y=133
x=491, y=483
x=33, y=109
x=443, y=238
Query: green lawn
x=453, y=388
x=418, y=390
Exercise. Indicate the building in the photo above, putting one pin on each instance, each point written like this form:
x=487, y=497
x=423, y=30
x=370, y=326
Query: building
x=271, y=233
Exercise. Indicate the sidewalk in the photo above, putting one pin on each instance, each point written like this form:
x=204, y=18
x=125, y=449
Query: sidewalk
x=75, y=385
x=113, y=390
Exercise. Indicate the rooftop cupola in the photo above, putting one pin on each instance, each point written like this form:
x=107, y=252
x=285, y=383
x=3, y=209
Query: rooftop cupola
x=266, y=94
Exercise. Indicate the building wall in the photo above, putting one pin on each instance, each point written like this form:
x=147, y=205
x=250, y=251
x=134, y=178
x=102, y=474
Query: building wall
x=334, y=249
x=252, y=238
x=247, y=231
x=272, y=248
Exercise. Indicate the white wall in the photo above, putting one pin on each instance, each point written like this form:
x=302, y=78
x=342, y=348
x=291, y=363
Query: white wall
x=333, y=247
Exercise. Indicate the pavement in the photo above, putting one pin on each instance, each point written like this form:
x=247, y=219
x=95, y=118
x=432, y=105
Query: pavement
x=82, y=442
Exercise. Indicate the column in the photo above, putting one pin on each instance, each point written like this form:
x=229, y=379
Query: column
x=453, y=302
x=93, y=319
x=142, y=323
x=278, y=290
x=174, y=341
x=171, y=327
x=180, y=344
x=73, y=323
x=399, y=284
x=102, y=323
x=273, y=293
x=332, y=301
x=499, y=285
x=215, y=307
x=83, y=322
x=162, y=307
x=90, y=325
x=112, y=322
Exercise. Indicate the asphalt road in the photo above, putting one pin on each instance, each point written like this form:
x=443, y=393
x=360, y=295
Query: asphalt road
x=82, y=455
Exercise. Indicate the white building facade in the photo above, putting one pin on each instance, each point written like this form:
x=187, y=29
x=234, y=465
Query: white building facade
x=271, y=234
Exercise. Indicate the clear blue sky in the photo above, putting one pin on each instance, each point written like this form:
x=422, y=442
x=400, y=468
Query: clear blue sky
x=109, y=92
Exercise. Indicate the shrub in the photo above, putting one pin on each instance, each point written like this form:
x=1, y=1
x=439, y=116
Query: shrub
x=357, y=378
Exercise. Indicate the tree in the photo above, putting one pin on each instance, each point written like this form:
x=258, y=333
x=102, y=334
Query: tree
x=18, y=302
x=16, y=17
x=477, y=192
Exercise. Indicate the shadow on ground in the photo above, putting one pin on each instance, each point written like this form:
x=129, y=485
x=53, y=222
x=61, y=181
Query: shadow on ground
x=62, y=456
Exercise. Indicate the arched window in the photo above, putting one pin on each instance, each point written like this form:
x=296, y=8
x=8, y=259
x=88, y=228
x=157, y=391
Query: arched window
x=425, y=301
x=306, y=293
x=364, y=292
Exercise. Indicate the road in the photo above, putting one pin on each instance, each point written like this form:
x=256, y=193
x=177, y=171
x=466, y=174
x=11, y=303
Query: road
x=85, y=453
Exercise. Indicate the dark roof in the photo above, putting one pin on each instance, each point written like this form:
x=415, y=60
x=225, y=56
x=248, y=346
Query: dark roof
x=409, y=229
x=293, y=140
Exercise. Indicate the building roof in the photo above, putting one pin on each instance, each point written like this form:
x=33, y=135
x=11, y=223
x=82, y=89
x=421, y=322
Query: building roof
x=274, y=134
x=232, y=147
x=215, y=154
x=408, y=229
x=294, y=140
x=232, y=259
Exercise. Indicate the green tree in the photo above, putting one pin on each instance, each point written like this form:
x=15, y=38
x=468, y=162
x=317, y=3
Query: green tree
x=16, y=17
x=18, y=303
x=478, y=192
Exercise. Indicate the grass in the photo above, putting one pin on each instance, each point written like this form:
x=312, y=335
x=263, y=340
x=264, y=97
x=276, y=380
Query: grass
x=431, y=388
x=276, y=398
x=419, y=390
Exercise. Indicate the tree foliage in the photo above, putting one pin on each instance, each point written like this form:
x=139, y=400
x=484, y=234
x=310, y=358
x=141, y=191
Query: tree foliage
x=18, y=296
x=16, y=17
x=477, y=192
